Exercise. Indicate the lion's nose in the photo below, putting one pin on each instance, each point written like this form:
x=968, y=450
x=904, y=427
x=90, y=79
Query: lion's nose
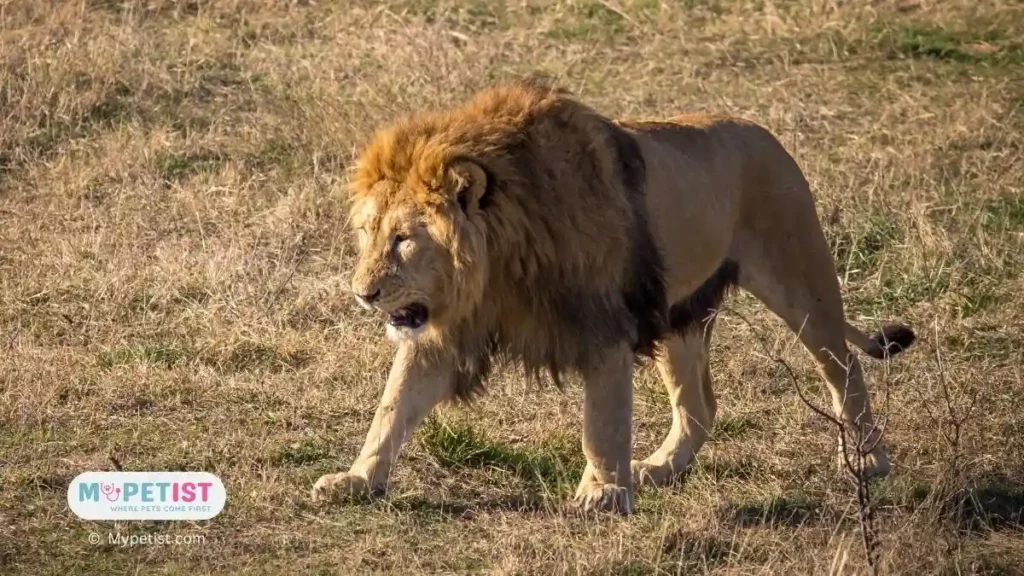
x=368, y=299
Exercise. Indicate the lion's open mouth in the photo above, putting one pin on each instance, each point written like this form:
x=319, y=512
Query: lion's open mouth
x=412, y=316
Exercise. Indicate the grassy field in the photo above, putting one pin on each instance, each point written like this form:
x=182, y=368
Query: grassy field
x=173, y=264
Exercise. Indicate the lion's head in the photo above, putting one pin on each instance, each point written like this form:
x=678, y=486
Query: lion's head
x=512, y=224
x=422, y=259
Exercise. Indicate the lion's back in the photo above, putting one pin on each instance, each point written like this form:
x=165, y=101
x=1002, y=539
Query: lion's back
x=738, y=160
x=709, y=176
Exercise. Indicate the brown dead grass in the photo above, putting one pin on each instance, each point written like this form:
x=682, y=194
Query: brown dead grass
x=173, y=257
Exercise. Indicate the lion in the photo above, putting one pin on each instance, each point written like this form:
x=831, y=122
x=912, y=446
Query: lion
x=524, y=226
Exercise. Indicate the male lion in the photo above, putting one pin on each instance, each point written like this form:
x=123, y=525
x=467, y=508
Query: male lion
x=524, y=225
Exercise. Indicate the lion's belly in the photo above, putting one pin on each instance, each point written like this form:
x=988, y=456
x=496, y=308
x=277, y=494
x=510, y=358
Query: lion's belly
x=692, y=201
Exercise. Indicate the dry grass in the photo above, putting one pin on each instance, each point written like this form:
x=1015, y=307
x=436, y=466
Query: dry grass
x=172, y=263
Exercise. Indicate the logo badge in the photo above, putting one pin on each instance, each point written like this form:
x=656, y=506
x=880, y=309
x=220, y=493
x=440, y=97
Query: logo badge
x=146, y=496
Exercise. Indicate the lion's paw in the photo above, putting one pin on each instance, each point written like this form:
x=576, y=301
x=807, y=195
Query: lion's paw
x=597, y=497
x=876, y=463
x=340, y=487
x=647, y=473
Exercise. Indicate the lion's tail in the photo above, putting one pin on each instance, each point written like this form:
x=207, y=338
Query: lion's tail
x=889, y=341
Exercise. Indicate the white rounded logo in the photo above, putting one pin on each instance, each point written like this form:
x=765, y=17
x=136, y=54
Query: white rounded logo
x=146, y=496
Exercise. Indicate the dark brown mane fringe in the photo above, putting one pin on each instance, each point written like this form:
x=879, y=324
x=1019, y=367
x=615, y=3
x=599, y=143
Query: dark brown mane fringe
x=693, y=311
x=579, y=323
x=645, y=296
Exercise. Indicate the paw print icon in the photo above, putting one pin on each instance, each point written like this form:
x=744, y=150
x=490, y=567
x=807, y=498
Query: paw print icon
x=111, y=491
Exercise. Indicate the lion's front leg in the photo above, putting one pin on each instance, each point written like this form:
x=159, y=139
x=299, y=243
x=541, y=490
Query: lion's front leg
x=607, y=434
x=416, y=384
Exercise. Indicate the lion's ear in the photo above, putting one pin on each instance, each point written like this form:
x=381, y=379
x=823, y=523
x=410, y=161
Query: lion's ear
x=468, y=184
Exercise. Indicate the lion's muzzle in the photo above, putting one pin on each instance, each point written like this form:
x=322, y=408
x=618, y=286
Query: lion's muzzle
x=367, y=300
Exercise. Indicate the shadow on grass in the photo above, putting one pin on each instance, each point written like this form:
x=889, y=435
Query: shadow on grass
x=997, y=505
x=793, y=509
x=428, y=509
x=699, y=549
x=990, y=502
x=551, y=466
x=993, y=502
x=431, y=510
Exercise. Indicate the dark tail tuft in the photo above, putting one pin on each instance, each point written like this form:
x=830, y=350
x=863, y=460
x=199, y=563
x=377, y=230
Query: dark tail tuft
x=893, y=339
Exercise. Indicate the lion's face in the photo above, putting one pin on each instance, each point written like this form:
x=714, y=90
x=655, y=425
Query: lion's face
x=418, y=263
x=402, y=269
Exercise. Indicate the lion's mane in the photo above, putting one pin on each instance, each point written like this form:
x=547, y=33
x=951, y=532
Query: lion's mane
x=570, y=265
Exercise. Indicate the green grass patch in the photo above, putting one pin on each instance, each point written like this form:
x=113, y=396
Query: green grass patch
x=977, y=294
x=858, y=251
x=551, y=464
x=173, y=167
x=588, y=21
x=970, y=46
x=251, y=356
x=733, y=427
x=899, y=491
x=897, y=290
x=791, y=509
x=300, y=454
x=652, y=500
x=1003, y=214
x=986, y=343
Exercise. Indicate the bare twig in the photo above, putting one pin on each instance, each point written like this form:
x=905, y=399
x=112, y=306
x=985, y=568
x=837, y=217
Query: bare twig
x=948, y=493
x=865, y=442
x=957, y=422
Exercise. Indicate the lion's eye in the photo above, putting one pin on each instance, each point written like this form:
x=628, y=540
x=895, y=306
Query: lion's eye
x=397, y=241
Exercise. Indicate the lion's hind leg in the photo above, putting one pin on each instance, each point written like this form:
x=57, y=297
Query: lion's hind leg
x=796, y=280
x=683, y=364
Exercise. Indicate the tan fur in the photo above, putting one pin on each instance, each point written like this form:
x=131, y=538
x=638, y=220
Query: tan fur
x=534, y=229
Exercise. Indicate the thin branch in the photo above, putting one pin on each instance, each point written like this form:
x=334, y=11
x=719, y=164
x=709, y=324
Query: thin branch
x=855, y=465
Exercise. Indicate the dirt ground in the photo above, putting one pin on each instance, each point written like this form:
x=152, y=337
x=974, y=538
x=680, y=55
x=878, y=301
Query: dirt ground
x=173, y=265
